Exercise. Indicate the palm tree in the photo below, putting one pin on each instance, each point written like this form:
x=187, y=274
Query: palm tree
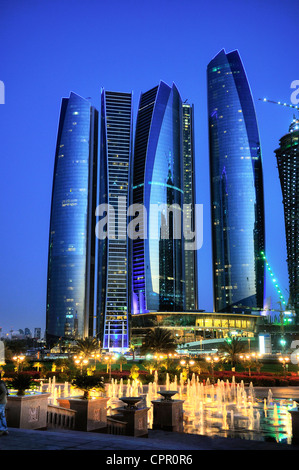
x=159, y=340
x=86, y=347
x=87, y=383
x=230, y=350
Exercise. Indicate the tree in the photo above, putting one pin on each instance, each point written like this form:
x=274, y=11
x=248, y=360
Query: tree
x=230, y=350
x=86, y=347
x=21, y=382
x=121, y=360
x=87, y=383
x=159, y=340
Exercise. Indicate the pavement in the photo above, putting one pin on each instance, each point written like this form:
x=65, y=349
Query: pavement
x=24, y=439
x=157, y=441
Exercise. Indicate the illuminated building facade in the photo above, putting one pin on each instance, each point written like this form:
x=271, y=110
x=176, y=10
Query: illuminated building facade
x=113, y=251
x=237, y=202
x=157, y=249
x=288, y=167
x=70, y=287
x=190, y=256
x=196, y=328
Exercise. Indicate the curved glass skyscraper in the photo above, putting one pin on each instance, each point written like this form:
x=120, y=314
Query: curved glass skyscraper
x=237, y=201
x=70, y=289
x=158, y=266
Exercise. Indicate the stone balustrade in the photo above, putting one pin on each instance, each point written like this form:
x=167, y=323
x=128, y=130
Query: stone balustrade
x=60, y=418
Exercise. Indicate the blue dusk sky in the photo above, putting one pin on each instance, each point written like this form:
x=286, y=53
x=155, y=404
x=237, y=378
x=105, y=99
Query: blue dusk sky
x=52, y=47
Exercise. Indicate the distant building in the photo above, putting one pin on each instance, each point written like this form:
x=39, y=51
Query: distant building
x=37, y=333
x=288, y=167
x=236, y=180
x=70, y=288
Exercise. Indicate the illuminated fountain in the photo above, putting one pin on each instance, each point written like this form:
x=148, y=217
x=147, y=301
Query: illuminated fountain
x=226, y=409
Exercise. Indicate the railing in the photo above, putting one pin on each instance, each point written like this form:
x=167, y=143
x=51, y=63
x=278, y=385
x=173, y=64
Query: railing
x=115, y=426
x=58, y=417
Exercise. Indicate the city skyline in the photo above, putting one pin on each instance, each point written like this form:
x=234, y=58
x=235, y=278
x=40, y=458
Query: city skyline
x=35, y=94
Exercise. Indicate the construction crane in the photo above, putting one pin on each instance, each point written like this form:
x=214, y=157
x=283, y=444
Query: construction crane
x=274, y=280
x=280, y=103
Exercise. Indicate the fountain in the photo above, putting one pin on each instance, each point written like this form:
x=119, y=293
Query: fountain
x=226, y=409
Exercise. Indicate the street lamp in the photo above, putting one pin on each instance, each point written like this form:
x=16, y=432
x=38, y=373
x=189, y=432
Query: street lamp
x=109, y=360
x=96, y=357
x=19, y=360
x=212, y=360
x=80, y=362
x=187, y=364
x=284, y=360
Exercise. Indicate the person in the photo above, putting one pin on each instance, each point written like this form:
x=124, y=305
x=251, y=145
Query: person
x=3, y=401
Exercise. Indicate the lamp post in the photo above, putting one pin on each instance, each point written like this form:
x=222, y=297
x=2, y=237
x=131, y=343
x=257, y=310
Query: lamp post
x=284, y=360
x=109, y=360
x=96, y=357
x=80, y=362
x=19, y=360
x=256, y=356
x=187, y=364
x=212, y=360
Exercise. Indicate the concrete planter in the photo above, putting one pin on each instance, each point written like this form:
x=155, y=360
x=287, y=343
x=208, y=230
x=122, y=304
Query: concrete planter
x=91, y=414
x=27, y=411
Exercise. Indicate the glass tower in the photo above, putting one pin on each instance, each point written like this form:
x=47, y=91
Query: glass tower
x=158, y=261
x=70, y=287
x=236, y=180
x=288, y=167
x=113, y=247
x=189, y=201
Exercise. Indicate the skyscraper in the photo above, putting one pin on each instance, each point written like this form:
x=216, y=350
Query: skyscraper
x=190, y=256
x=237, y=205
x=70, y=288
x=158, y=261
x=288, y=167
x=113, y=247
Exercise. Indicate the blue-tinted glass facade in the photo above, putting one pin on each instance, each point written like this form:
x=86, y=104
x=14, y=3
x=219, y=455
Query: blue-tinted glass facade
x=158, y=266
x=113, y=249
x=70, y=289
x=237, y=206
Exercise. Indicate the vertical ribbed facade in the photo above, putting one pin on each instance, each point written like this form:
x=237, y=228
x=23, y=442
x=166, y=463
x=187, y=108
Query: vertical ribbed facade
x=113, y=251
x=190, y=256
x=288, y=167
x=237, y=204
x=158, y=266
x=70, y=287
